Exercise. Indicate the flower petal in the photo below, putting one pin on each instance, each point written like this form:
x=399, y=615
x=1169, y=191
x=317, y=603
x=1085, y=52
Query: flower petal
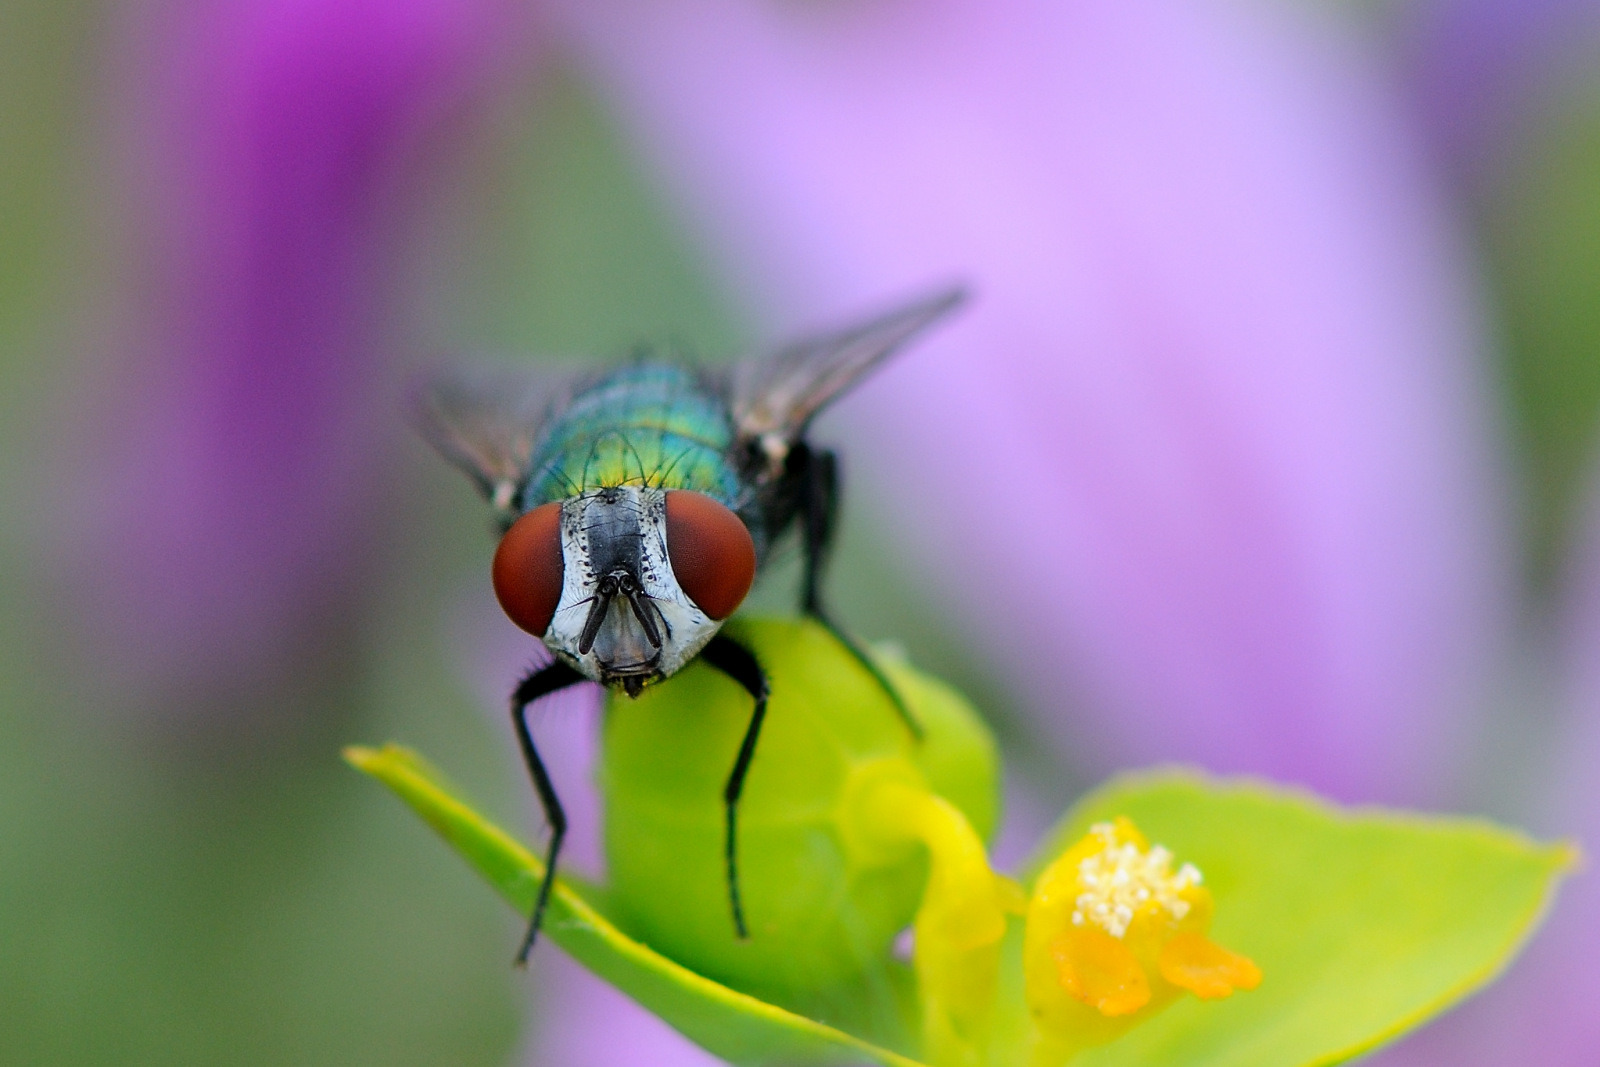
x=1101, y=971
x=1206, y=470
x=1206, y=969
x=230, y=491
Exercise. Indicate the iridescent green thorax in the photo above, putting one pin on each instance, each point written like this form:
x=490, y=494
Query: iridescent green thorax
x=650, y=425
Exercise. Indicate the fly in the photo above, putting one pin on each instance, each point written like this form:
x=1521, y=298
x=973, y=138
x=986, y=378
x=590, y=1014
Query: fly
x=636, y=507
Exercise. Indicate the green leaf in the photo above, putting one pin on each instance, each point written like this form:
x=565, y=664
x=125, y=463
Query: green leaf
x=730, y=1024
x=1365, y=922
x=823, y=904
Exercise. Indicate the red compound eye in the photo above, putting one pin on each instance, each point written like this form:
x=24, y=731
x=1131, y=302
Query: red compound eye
x=711, y=552
x=528, y=570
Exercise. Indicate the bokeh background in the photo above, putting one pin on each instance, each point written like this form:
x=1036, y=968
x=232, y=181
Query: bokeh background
x=1268, y=444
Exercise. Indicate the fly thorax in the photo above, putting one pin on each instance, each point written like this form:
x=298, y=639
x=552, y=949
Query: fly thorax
x=622, y=617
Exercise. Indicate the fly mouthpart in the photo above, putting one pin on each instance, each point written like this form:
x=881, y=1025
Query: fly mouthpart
x=640, y=612
x=597, y=615
x=618, y=583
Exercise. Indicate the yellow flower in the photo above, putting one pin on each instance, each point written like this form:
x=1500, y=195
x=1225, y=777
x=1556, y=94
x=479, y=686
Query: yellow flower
x=1114, y=934
x=1115, y=930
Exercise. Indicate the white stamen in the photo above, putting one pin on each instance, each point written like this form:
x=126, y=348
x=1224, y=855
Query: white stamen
x=1121, y=881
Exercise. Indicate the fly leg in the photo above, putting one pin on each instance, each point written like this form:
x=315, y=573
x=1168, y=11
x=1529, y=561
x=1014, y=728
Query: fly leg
x=818, y=477
x=541, y=682
x=737, y=662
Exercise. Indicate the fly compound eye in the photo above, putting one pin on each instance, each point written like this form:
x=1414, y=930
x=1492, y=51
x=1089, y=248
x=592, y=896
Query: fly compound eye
x=711, y=552
x=528, y=569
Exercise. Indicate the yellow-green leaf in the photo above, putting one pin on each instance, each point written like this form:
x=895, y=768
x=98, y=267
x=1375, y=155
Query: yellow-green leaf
x=733, y=1025
x=1365, y=922
x=822, y=902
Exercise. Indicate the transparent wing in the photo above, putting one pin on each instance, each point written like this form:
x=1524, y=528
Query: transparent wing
x=780, y=395
x=487, y=421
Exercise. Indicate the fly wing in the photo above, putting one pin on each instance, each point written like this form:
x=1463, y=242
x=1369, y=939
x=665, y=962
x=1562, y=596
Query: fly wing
x=781, y=395
x=487, y=422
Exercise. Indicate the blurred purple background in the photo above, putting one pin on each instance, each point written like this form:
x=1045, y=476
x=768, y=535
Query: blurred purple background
x=1268, y=443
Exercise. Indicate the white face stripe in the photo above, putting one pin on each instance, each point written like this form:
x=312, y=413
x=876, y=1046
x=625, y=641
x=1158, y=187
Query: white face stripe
x=684, y=628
